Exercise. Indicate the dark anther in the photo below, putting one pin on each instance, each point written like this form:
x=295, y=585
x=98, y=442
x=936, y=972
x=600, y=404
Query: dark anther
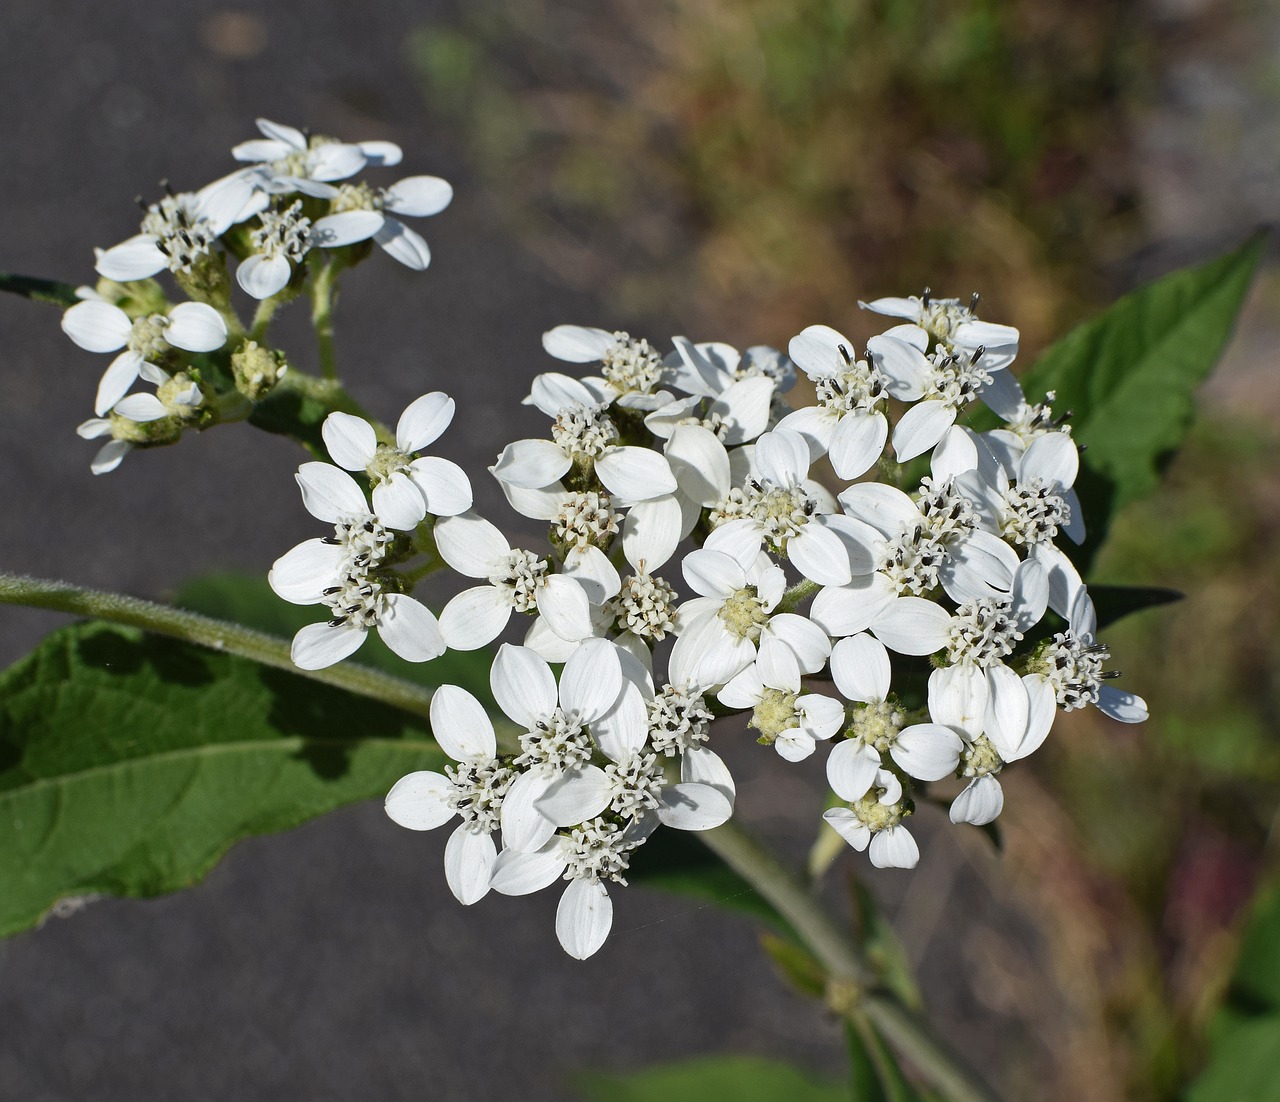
x=924, y=298
x=331, y=540
x=1109, y=675
x=973, y=302
x=845, y=353
x=331, y=591
x=977, y=354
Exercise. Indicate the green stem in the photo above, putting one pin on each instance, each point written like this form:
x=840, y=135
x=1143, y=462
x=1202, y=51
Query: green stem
x=846, y=966
x=216, y=634
x=262, y=318
x=323, y=295
x=792, y=597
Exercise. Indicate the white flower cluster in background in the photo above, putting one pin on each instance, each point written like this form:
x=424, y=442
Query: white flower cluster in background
x=292, y=200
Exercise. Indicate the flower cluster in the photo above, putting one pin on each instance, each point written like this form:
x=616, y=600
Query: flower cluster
x=874, y=572
x=289, y=220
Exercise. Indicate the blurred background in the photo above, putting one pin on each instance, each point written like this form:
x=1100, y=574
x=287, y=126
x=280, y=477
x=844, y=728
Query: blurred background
x=727, y=169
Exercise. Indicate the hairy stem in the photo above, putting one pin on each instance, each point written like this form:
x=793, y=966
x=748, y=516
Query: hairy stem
x=846, y=966
x=216, y=634
x=323, y=295
x=799, y=592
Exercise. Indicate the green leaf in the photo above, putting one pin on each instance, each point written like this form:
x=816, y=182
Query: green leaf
x=1245, y=1065
x=129, y=763
x=247, y=599
x=1115, y=602
x=883, y=949
x=710, y=1079
x=1130, y=376
x=874, y=1074
x=41, y=290
x=1256, y=984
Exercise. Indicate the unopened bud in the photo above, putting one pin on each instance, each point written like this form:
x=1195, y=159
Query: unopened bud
x=257, y=370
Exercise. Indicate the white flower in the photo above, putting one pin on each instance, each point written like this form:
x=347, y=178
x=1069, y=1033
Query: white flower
x=112, y=453
x=288, y=159
x=101, y=327
x=180, y=230
x=927, y=751
x=788, y=719
x=997, y=728
x=732, y=401
x=584, y=439
x=472, y=790
x=780, y=507
x=359, y=212
x=177, y=396
x=847, y=423
x=518, y=581
x=630, y=367
x=875, y=819
x=723, y=629
x=280, y=243
x=343, y=573
x=405, y=488
x=950, y=323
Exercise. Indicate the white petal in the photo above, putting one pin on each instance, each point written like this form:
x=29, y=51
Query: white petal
x=97, y=326
x=110, y=456
x=1007, y=710
x=591, y=680
x=1053, y=457
x=904, y=364
x=404, y=244
x=782, y=457
x=848, y=609
x=700, y=464
x=552, y=392
x=410, y=629
x=980, y=803
x=857, y=443
x=576, y=796
x=288, y=136
x=523, y=685
x=894, y=849
x=807, y=641
x=975, y=334
x=913, y=626
x=419, y=196
x=794, y=744
x=820, y=554
x=713, y=573
x=584, y=918
x=1122, y=706
x=443, y=484
x=744, y=407
x=744, y=689
x=469, y=856
x=474, y=618
x=137, y=258
x=263, y=276
x=848, y=826
x=777, y=665
x=563, y=603
x=335, y=161
x=706, y=655
x=979, y=565
x=461, y=726
x=319, y=645
x=1042, y=710
x=399, y=503
x=621, y=732
x=692, y=806
x=590, y=568
x=577, y=343
x=860, y=668
x=517, y=873
x=739, y=539
x=822, y=716
x=1030, y=593
x=330, y=494
x=423, y=420
x=117, y=380
x=851, y=769
x=635, y=474
x=470, y=544
x=419, y=801
x=927, y=751
x=261, y=149
x=141, y=408
x=651, y=533
x=524, y=828
x=816, y=424
x=921, y=427
x=958, y=698
x=707, y=767
x=350, y=440
x=336, y=230
x=531, y=463
x=381, y=154
x=302, y=574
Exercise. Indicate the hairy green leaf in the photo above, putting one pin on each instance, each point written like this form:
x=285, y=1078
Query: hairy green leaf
x=129, y=763
x=42, y=290
x=710, y=1079
x=1130, y=375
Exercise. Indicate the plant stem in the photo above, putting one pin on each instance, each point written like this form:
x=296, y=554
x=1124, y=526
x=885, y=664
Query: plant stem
x=905, y=1030
x=262, y=318
x=219, y=635
x=322, y=302
x=792, y=597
